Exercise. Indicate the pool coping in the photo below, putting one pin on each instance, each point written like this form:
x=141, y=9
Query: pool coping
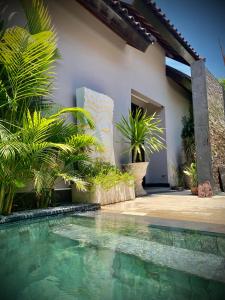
x=51, y=211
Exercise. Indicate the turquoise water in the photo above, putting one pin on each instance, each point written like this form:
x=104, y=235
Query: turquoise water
x=99, y=256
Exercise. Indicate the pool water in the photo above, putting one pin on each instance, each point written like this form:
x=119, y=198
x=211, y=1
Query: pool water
x=106, y=256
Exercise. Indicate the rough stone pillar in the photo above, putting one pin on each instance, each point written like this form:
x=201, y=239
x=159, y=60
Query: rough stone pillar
x=208, y=107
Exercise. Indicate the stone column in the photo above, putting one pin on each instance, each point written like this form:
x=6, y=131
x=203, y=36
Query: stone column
x=208, y=108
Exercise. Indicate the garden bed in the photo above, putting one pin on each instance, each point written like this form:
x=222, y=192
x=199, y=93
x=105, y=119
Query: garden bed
x=117, y=193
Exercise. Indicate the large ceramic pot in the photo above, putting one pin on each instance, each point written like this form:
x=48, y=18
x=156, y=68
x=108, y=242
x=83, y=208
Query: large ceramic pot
x=138, y=170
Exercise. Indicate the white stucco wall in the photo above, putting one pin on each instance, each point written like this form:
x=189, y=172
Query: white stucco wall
x=94, y=57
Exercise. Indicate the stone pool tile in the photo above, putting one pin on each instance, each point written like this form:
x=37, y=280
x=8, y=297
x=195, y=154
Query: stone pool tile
x=179, y=239
x=161, y=236
x=221, y=246
x=209, y=244
x=218, y=292
x=201, y=264
x=36, y=213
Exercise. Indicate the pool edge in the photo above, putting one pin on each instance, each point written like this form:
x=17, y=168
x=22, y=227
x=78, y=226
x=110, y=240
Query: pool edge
x=51, y=211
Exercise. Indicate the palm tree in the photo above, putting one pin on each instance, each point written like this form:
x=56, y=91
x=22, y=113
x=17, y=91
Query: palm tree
x=31, y=154
x=35, y=146
x=27, y=58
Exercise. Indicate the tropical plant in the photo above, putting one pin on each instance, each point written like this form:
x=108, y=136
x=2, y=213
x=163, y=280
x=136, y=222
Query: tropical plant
x=104, y=174
x=27, y=71
x=188, y=138
x=143, y=133
x=35, y=146
x=27, y=58
x=31, y=154
x=191, y=172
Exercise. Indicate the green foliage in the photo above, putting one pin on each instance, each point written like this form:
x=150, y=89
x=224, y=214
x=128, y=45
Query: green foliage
x=188, y=137
x=143, y=133
x=106, y=175
x=30, y=153
x=222, y=82
x=191, y=172
x=188, y=125
x=36, y=147
x=38, y=18
x=27, y=62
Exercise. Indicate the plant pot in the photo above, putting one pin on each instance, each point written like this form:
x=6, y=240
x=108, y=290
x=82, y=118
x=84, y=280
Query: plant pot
x=194, y=190
x=138, y=170
x=187, y=181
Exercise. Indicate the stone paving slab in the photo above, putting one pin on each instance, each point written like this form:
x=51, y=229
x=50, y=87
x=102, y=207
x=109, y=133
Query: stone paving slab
x=175, y=206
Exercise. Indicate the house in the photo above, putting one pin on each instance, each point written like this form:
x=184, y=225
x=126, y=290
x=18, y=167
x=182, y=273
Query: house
x=119, y=48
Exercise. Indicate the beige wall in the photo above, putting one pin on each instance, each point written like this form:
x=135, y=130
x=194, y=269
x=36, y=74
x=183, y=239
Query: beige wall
x=94, y=57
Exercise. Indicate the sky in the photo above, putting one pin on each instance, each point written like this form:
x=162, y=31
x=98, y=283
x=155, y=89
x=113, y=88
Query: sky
x=202, y=24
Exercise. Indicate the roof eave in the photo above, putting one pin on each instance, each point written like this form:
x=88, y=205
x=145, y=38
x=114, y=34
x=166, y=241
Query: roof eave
x=167, y=31
x=114, y=16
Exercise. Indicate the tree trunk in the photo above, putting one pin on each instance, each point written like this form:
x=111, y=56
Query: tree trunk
x=7, y=195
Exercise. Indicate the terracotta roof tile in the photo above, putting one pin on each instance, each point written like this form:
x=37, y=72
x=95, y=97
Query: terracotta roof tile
x=152, y=5
x=146, y=29
x=124, y=11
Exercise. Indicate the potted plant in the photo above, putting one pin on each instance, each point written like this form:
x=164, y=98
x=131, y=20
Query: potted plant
x=191, y=172
x=144, y=135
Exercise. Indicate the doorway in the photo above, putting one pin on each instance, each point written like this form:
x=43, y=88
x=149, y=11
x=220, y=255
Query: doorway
x=157, y=173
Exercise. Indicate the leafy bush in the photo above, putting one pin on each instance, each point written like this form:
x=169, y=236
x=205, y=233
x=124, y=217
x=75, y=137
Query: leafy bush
x=222, y=82
x=188, y=137
x=106, y=175
x=191, y=172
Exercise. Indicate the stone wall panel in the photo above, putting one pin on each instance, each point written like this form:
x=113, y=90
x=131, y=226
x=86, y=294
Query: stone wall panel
x=216, y=125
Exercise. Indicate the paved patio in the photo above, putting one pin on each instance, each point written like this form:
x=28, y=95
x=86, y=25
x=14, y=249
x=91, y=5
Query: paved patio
x=179, y=207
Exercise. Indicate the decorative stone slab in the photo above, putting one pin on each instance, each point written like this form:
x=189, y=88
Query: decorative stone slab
x=101, y=108
x=205, y=190
x=37, y=213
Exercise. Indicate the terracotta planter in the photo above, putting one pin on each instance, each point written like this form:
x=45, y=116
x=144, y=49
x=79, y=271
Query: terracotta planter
x=138, y=170
x=194, y=190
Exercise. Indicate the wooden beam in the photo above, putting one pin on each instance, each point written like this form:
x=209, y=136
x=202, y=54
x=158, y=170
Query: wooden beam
x=119, y=25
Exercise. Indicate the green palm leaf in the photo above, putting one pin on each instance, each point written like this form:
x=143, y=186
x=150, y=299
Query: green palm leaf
x=28, y=64
x=38, y=18
x=143, y=133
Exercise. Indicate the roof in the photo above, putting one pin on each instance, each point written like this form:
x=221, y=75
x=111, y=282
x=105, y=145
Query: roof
x=152, y=5
x=180, y=78
x=132, y=19
x=138, y=17
x=141, y=23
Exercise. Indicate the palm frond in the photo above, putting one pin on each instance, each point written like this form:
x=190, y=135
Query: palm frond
x=80, y=114
x=85, y=142
x=28, y=62
x=143, y=132
x=38, y=18
x=80, y=184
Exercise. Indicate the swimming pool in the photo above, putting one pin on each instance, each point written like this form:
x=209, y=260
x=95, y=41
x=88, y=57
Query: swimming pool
x=106, y=256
